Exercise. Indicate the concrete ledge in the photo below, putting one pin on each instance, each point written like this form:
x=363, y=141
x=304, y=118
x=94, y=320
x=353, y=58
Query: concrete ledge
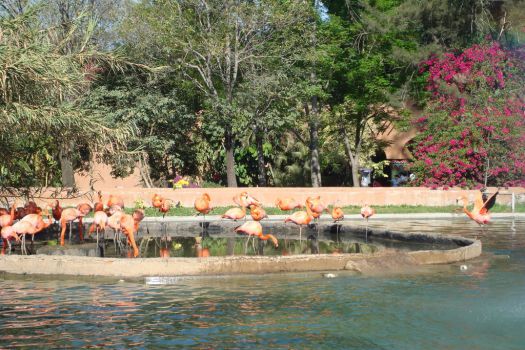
x=384, y=260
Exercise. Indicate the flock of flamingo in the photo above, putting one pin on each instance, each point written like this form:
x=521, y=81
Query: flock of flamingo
x=18, y=222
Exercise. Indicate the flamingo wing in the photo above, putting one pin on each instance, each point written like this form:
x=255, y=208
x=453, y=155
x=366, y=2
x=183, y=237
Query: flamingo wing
x=478, y=202
x=489, y=203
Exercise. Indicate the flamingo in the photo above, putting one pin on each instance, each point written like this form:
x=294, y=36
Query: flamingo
x=480, y=212
x=164, y=208
x=100, y=221
x=301, y=218
x=257, y=213
x=317, y=209
x=38, y=223
x=202, y=205
x=114, y=222
x=30, y=207
x=236, y=213
x=70, y=215
x=56, y=210
x=287, y=204
x=337, y=215
x=8, y=234
x=129, y=225
x=20, y=213
x=98, y=206
x=115, y=200
x=85, y=209
x=8, y=219
x=245, y=200
x=156, y=200
x=22, y=228
x=254, y=228
x=366, y=212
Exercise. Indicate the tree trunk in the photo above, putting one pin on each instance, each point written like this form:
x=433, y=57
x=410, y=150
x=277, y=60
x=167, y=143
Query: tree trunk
x=353, y=160
x=260, y=157
x=66, y=165
x=144, y=171
x=315, y=165
x=230, y=159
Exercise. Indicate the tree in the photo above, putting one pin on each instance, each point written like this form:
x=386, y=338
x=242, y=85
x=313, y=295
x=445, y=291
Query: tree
x=213, y=42
x=369, y=74
x=167, y=136
x=472, y=132
x=39, y=101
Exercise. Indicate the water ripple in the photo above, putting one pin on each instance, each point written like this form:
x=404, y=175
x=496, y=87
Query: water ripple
x=480, y=308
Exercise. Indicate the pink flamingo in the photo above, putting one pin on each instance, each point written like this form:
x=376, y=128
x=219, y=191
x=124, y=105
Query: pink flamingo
x=301, y=218
x=337, y=215
x=129, y=225
x=114, y=223
x=8, y=234
x=480, y=212
x=245, y=200
x=100, y=221
x=203, y=206
x=8, y=219
x=366, y=212
x=22, y=228
x=236, y=213
x=254, y=229
x=287, y=204
x=70, y=215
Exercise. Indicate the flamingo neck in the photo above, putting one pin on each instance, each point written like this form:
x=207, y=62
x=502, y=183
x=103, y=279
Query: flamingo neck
x=309, y=210
x=12, y=213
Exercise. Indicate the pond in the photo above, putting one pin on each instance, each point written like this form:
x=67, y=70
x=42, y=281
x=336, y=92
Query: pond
x=479, y=306
x=182, y=240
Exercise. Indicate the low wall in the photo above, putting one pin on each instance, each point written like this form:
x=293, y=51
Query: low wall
x=267, y=195
x=385, y=260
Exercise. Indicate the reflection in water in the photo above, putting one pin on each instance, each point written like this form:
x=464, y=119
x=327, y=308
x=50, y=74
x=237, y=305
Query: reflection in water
x=229, y=246
x=480, y=308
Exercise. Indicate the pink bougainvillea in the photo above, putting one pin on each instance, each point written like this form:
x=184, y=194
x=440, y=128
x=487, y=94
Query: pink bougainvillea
x=474, y=124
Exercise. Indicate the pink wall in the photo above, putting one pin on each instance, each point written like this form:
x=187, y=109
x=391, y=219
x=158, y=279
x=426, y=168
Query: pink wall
x=341, y=195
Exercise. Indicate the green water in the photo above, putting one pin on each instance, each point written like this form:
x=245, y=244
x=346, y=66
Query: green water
x=442, y=308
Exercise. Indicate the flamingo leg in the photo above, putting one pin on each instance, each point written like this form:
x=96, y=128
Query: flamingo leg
x=202, y=225
x=80, y=229
x=366, y=231
x=119, y=240
x=63, y=224
x=98, y=248
x=246, y=246
x=9, y=246
x=115, y=240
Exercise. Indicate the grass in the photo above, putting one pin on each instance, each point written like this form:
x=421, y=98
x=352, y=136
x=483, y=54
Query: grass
x=383, y=209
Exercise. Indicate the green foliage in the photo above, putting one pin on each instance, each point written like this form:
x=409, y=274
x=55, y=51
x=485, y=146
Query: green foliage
x=167, y=135
x=242, y=79
x=40, y=95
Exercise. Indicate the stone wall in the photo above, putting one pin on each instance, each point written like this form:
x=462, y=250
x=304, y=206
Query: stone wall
x=384, y=261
